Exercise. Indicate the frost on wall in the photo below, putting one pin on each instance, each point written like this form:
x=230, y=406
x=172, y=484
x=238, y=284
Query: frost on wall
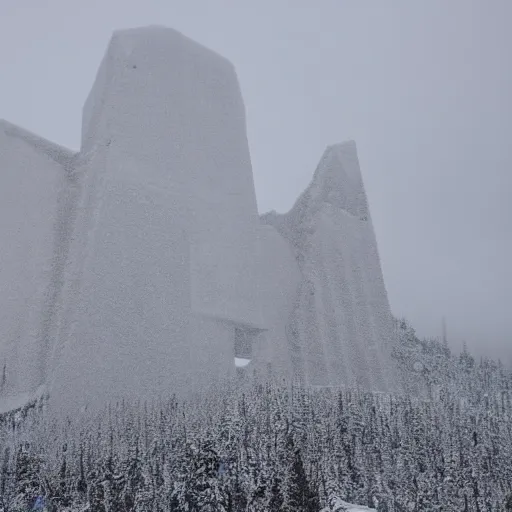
x=164, y=242
x=148, y=254
x=276, y=278
x=340, y=330
x=140, y=266
x=33, y=176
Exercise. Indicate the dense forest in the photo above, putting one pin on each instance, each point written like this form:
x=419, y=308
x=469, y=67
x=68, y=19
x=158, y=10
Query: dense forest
x=444, y=445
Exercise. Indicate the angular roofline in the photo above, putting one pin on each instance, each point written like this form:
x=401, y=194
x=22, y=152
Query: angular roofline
x=155, y=30
x=349, y=145
x=56, y=152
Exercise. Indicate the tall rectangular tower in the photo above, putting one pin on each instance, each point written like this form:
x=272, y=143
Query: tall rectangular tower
x=158, y=275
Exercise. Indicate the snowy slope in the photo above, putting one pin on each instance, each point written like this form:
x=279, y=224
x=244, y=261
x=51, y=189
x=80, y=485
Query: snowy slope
x=341, y=326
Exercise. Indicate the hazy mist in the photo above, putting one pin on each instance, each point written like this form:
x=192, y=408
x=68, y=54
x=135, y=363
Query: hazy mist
x=423, y=87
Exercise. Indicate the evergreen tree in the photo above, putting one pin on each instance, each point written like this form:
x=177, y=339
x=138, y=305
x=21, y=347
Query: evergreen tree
x=269, y=447
x=27, y=471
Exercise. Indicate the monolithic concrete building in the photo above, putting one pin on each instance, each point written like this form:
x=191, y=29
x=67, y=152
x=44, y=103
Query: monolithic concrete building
x=340, y=330
x=139, y=266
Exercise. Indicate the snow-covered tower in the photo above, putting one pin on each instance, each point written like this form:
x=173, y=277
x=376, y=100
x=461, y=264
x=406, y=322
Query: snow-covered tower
x=139, y=263
x=139, y=266
x=163, y=265
x=341, y=328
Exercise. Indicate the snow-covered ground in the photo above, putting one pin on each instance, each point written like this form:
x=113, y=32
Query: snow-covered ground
x=342, y=506
x=14, y=402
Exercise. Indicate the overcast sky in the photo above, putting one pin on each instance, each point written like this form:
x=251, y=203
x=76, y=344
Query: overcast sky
x=423, y=86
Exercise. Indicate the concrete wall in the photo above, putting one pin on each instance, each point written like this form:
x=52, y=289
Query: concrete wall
x=277, y=279
x=127, y=302
x=31, y=182
x=164, y=249
x=126, y=269
x=340, y=329
x=176, y=108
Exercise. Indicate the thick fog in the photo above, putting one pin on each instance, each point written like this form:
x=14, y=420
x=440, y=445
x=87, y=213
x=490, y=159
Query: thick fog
x=423, y=87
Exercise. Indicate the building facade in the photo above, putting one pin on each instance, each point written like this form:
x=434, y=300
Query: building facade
x=139, y=265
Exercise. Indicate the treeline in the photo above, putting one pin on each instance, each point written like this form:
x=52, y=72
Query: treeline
x=429, y=369
x=263, y=447
x=445, y=444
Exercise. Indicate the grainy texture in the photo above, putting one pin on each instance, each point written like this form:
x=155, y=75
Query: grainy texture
x=341, y=327
x=140, y=265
